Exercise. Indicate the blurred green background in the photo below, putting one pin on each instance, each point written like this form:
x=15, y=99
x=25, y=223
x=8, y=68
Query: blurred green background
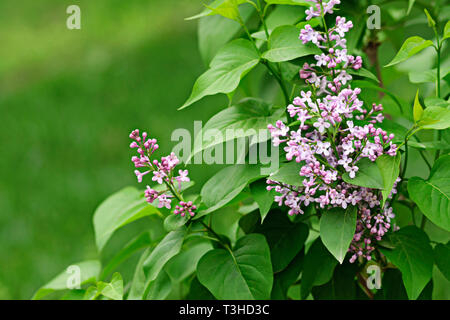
x=68, y=100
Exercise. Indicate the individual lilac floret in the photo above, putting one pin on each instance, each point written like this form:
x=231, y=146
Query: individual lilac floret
x=335, y=131
x=163, y=173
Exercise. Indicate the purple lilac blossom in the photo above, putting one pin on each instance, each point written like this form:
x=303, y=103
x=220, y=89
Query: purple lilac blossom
x=163, y=174
x=328, y=143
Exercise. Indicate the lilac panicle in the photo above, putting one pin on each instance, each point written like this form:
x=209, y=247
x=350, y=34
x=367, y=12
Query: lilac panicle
x=163, y=173
x=329, y=142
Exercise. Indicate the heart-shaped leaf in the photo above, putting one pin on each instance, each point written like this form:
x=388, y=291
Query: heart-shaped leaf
x=245, y=273
x=284, y=279
x=413, y=255
x=337, y=228
x=432, y=196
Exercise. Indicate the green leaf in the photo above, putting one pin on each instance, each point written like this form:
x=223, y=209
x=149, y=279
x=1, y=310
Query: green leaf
x=422, y=76
x=220, y=7
x=242, y=274
x=432, y=196
x=260, y=35
x=112, y=290
x=207, y=11
x=290, y=2
x=226, y=70
x=418, y=109
x=250, y=221
x=398, y=130
x=288, y=173
x=413, y=255
x=410, y=47
x=74, y=295
x=314, y=22
x=318, y=267
x=446, y=34
x=285, y=45
x=410, y=6
x=431, y=22
x=160, y=288
x=141, y=241
x=173, y=222
x=436, y=102
x=245, y=209
x=139, y=282
x=392, y=288
x=373, y=86
x=184, y=264
x=342, y=285
x=91, y=293
x=216, y=31
x=169, y=246
x=120, y=209
x=106, y=290
x=436, y=118
x=263, y=198
x=368, y=175
x=88, y=273
x=337, y=228
x=428, y=75
x=285, y=15
x=286, y=278
x=228, y=9
x=285, y=238
x=431, y=145
x=363, y=73
x=198, y=292
x=390, y=170
x=226, y=185
x=442, y=258
x=245, y=120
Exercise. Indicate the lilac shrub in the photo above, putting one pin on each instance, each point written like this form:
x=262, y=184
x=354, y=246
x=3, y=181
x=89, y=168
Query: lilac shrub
x=329, y=142
x=342, y=172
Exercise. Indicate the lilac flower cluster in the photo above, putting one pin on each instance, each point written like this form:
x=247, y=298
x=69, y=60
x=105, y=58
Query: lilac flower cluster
x=163, y=174
x=335, y=131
